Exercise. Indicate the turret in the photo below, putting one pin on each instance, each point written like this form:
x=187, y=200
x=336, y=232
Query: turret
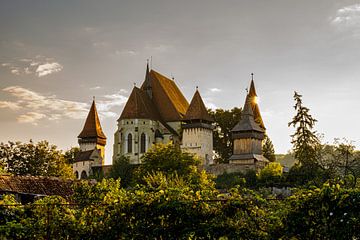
x=198, y=130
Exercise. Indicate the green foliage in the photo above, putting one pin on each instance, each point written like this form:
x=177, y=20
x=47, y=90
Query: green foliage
x=70, y=154
x=36, y=159
x=268, y=149
x=230, y=180
x=225, y=120
x=271, y=175
x=168, y=159
x=122, y=169
x=304, y=140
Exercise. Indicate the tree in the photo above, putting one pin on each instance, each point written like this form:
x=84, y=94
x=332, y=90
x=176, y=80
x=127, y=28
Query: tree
x=122, y=169
x=304, y=140
x=268, y=149
x=40, y=159
x=70, y=154
x=271, y=174
x=168, y=159
x=225, y=120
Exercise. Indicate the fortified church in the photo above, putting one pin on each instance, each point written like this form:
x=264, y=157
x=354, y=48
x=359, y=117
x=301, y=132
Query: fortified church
x=158, y=112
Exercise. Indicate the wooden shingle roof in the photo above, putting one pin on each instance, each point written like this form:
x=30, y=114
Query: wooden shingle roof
x=92, y=127
x=197, y=110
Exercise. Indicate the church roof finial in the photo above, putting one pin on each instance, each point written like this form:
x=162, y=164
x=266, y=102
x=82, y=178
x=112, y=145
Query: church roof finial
x=252, y=76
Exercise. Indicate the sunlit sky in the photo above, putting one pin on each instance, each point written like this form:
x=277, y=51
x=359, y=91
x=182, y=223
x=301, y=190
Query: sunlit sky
x=56, y=55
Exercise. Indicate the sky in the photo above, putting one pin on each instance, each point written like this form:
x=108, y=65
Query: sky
x=56, y=55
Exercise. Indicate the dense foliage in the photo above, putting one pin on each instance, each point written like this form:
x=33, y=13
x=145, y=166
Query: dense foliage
x=268, y=149
x=36, y=159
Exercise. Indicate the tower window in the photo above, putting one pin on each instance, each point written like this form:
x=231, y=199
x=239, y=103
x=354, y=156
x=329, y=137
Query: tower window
x=76, y=175
x=83, y=175
x=143, y=143
x=129, y=143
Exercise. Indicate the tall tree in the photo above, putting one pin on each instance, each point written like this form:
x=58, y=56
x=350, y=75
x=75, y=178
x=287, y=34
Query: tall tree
x=304, y=140
x=268, y=149
x=36, y=159
x=225, y=120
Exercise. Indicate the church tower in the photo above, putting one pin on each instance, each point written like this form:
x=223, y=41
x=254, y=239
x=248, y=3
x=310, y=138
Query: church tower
x=197, y=137
x=248, y=135
x=92, y=141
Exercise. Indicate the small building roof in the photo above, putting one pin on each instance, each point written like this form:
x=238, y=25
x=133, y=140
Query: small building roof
x=92, y=127
x=86, y=155
x=43, y=186
x=197, y=110
x=140, y=106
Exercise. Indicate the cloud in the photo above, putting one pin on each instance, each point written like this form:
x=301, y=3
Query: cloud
x=95, y=88
x=48, y=68
x=39, y=65
x=30, y=117
x=215, y=90
x=39, y=106
x=126, y=52
x=348, y=18
x=209, y=103
x=11, y=105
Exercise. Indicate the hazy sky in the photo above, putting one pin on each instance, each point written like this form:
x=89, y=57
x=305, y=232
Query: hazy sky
x=56, y=55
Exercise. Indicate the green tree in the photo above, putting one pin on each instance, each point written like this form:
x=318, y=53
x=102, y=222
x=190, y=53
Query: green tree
x=225, y=120
x=36, y=159
x=70, y=154
x=122, y=169
x=271, y=174
x=304, y=140
x=268, y=149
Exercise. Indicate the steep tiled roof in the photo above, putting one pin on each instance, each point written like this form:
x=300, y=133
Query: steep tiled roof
x=139, y=105
x=36, y=185
x=197, y=109
x=168, y=98
x=255, y=106
x=92, y=127
x=247, y=122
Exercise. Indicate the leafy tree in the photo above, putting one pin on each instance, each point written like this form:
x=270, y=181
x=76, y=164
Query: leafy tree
x=70, y=154
x=122, y=169
x=271, y=174
x=304, y=140
x=168, y=159
x=36, y=159
x=268, y=149
x=225, y=120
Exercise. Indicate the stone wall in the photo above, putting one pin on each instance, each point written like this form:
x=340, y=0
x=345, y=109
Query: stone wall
x=218, y=169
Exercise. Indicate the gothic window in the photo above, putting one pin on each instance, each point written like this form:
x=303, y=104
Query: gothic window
x=76, y=175
x=143, y=143
x=83, y=175
x=129, y=143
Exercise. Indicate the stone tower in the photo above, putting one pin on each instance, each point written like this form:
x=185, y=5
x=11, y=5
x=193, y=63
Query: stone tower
x=92, y=141
x=197, y=137
x=248, y=135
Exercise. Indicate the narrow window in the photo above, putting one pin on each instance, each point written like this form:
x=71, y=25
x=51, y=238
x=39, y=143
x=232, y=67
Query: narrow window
x=76, y=175
x=142, y=143
x=129, y=143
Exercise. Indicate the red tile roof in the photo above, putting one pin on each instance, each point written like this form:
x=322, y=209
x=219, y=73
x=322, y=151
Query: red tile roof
x=197, y=109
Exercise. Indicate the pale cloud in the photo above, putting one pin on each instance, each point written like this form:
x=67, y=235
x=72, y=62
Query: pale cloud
x=48, y=68
x=39, y=65
x=11, y=105
x=30, y=117
x=348, y=18
x=39, y=106
x=209, y=103
x=126, y=52
x=95, y=88
x=215, y=90
x=161, y=48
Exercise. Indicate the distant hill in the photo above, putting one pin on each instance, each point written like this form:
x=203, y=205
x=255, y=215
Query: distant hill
x=286, y=160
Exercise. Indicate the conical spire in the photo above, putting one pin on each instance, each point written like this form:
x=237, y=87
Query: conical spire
x=197, y=109
x=253, y=100
x=92, y=127
x=247, y=122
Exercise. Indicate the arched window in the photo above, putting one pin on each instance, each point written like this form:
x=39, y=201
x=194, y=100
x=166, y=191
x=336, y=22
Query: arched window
x=143, y=143
x=76, y=175
x=83, y=175
x=129, y=143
